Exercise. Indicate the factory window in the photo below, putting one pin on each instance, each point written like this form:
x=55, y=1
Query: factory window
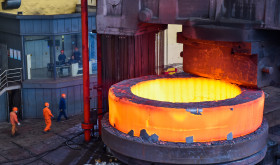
x=68, y=53
x=60, y=56
x=39, y=57
x=93, y=52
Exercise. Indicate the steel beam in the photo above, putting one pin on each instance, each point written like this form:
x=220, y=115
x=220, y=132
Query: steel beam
x=86, y=125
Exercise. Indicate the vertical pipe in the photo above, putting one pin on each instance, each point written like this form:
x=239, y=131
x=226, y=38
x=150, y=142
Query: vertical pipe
x=54, y=57
x=8, y=106
x=84, y=15
x=99, y=81
x=23, y=58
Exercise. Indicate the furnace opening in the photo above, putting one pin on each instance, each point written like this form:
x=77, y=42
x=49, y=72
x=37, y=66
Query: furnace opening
x=185, y=90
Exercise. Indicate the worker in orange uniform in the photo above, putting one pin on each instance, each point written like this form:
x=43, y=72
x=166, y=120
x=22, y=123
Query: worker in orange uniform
x=47, y=115
x=14, y=121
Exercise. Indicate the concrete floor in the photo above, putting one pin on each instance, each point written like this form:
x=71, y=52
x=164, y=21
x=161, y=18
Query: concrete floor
x=63, y=145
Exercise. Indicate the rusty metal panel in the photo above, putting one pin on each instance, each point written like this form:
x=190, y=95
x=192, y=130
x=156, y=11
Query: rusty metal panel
x=125, y=57
x=217, y=60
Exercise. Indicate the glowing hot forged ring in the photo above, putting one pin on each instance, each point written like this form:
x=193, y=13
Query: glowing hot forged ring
x=190, y=108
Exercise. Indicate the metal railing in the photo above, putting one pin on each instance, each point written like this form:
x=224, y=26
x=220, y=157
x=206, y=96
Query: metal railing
x=10, y=77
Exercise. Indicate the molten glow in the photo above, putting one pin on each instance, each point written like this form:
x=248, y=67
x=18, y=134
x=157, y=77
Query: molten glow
x=175, y=124
x=185, y=90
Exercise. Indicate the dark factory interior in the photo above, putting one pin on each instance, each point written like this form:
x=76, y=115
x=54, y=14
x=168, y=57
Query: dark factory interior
x=135, y=90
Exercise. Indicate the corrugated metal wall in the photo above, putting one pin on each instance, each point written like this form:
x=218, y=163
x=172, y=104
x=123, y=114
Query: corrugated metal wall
x=44, y=25
x=56, y=26
x=125, y=57
x=34, y=99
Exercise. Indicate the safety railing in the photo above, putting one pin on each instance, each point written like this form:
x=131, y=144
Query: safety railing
x=10, y=77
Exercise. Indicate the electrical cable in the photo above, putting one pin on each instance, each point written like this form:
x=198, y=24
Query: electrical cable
x=69, y=145
x=38, y=159
x=61, y=145
x=65, y=143
x=44, y=153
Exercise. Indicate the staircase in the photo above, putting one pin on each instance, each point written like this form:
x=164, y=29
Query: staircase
x=10, y=80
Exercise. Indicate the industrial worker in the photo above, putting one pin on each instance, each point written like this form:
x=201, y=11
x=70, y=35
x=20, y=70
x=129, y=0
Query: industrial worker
x=62, y=107
x=77, y=54
x=72, y=60
x=47, y=115
x=62, y=57
x=14, y=121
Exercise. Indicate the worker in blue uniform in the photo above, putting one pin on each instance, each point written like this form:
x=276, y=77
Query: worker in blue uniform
x=77, y=54
x=62, y=57
x=62, y=107
x=72, y=60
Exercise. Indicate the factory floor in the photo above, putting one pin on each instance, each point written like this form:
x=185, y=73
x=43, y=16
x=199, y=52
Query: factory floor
x=64, y=144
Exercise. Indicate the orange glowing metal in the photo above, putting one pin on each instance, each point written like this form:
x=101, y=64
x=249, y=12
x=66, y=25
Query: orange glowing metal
x=185, y=90
x=178, y=107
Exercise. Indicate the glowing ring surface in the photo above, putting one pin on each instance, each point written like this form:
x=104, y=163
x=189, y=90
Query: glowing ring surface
x=201, y=121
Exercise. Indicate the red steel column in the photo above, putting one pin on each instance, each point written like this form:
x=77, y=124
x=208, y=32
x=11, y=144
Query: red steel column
x=86, y=125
